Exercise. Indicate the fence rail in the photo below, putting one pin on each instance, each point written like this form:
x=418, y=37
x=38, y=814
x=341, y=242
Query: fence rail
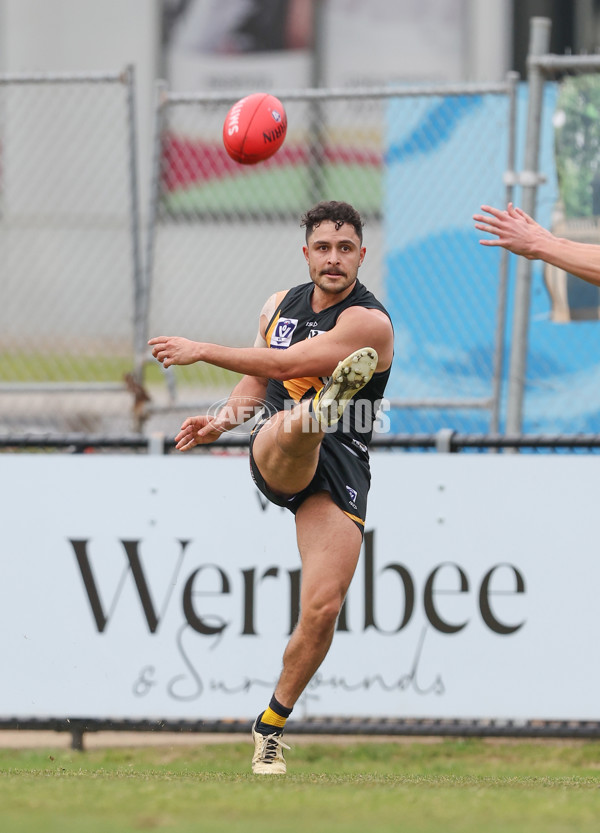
x=343, y=93
x=391, y=727
x=444, y=441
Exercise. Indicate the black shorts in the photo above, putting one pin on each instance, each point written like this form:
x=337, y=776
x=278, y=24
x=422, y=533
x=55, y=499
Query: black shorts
x=341, y=471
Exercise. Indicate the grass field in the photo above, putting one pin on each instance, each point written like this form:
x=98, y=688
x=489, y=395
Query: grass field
x=355, y=786
x=51, y=367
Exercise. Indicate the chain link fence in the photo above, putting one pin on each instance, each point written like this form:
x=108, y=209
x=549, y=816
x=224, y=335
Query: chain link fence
x=416, y=162
x=69, y=237
x=76, y=306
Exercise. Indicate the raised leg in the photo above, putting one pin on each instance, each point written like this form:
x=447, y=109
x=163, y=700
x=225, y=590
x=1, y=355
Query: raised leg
x=286, y=449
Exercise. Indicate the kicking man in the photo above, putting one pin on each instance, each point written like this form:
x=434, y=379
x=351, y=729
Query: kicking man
x=320, y=364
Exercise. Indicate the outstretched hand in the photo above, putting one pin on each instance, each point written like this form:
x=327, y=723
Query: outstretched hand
x=515, y=230
x=197, y=430
x=174, y=350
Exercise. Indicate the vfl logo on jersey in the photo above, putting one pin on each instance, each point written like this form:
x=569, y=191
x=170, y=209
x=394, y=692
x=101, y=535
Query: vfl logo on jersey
x=353, y=495
x=314, y=333
x=283, y=332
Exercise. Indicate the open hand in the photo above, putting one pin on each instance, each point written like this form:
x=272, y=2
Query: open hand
x=515, y=230
x=197, y=430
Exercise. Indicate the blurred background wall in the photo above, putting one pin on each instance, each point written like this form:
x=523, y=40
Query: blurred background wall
x=204, y=44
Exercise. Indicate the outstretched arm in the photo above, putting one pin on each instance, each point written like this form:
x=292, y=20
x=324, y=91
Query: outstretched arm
x=520, y=234
x=356, y=327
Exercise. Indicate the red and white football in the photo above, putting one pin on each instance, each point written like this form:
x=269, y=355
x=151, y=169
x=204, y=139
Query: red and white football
x=254, y=128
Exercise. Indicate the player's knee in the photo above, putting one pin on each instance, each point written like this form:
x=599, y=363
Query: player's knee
x=320, y=615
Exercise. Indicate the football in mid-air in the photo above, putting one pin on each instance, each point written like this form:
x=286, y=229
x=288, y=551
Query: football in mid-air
x=254, y=128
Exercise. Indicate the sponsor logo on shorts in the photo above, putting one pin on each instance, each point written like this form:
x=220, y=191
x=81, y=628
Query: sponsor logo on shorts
x=353, y=495
x=283, y=332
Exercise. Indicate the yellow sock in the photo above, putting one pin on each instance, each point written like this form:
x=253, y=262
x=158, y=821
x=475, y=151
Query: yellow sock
x=272, y=718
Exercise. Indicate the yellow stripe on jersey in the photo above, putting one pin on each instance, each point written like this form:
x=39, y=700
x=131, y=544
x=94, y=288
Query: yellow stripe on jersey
x=270, y=330
x=354, y=518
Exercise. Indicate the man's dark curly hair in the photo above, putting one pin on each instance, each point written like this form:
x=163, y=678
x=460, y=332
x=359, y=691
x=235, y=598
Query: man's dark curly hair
x=338, y=212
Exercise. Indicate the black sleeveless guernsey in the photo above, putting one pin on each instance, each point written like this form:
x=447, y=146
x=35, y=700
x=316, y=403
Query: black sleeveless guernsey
x=343, y=468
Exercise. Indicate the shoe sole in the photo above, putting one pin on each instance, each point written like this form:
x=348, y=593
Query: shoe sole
x=349, y=377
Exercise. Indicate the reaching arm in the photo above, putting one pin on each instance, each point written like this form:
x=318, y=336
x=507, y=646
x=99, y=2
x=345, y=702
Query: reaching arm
x=520, y=234
x=356, y=327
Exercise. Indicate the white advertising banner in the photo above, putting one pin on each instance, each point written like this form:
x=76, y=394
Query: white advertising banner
x=166, y=587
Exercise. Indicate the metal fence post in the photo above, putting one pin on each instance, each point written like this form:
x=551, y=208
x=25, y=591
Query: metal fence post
x=160, y=96
x=156, y=443
x=443, y=440
x=139, y=302
x=512, y=79
x=316, y=148
x=539, y=44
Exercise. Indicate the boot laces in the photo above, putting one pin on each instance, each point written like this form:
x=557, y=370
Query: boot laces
x=270, y=747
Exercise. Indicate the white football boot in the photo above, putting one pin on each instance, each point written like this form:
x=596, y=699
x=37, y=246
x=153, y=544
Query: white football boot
x=268, y=754
x=349, y=377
